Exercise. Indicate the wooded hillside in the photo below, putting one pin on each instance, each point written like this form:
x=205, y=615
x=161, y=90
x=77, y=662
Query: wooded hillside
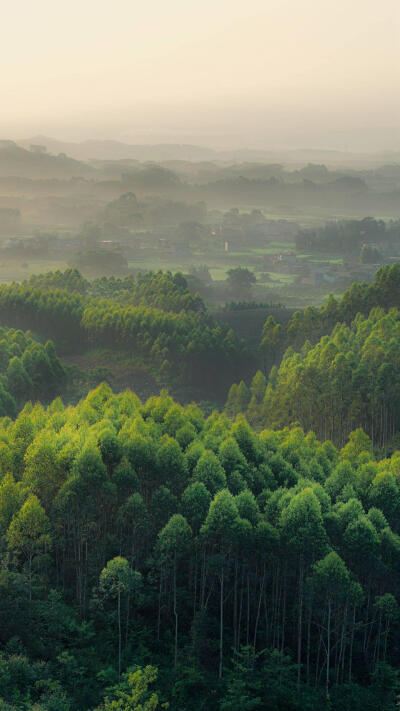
x=255, y=570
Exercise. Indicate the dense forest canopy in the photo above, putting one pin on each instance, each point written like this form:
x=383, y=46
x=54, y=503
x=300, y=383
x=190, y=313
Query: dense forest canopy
x=313, y=323
x=161, y=289
x=331, y=369
x=154, y=555
x=256, y=569
x=155, y=318
x=347, y=380
x=28, y=369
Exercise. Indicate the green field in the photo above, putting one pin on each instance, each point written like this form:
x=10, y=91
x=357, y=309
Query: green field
x=320, y=258
x=273, y=248
x=18, y=270
x=269, y=279
x=281, y=278
x=218, y=273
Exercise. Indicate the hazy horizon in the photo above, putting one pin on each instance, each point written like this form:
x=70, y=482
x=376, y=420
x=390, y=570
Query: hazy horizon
x=226, y=74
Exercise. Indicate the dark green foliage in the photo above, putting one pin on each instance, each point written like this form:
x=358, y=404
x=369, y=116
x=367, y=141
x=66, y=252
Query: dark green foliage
x=349, y=380
x=310, y=325
x=269, y=560
x=71, y=280
x=240, y=281
x=347, y=237
x=27, y=370
x=155, y=319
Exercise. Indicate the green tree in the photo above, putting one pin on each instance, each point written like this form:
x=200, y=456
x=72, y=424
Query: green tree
x=195, y=504
x=134, y=694
x=330, y=580
x=220, y=528
x=210, y=472
x=118, y=579
x=19, y=382
x=232, y=406
x=240, y=281
x=243, y=692
x=243, y=395
x=12, y=495
x=272, y=342
x=28, y=534
x=175, y=539
x=304, y=532
x=389, y=613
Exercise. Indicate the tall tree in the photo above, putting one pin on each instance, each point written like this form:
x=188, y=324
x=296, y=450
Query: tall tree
x=118, y=579
x=220, y=529
x=29, y=533
x=175, y=539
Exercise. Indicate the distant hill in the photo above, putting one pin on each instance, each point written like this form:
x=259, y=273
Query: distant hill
x=117, y=150
x=38, y=163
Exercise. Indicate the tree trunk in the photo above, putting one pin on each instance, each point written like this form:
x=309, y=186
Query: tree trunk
x=221, y=622
x=328, y=654
x=176, y=619
x=30, y=579
x=235, y=611
x=342, y=644
x=159, y=608
x=386, y=639
x=239, y=632
x=248, y=609
x=309, y=640
x=353, y=624
x=258, y=609
x=195, y=586
x=119, y=635
x=300, y=625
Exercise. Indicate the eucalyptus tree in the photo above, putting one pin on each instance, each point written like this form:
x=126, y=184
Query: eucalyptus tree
x=28, y=534
x=219, y=529
x=303, y=531
x=116, y=580
x=174, y=541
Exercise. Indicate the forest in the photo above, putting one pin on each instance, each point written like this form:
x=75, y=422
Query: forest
x=154, y=555
x=28, y=370
x=158, y=553
x=348, y=236
x=332, y=369
x=313, y=322
x=155, y=318
x=154, y=558
x=349, y=379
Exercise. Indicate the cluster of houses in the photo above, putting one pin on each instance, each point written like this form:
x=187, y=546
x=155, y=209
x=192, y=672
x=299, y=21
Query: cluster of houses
x=308, y=272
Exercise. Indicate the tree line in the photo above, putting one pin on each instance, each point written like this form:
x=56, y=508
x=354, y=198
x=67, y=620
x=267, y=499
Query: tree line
x=28, y=369
x=162, y=290
x=346, y=237
x=155, y=319
x=254, y=570
x=349, y=379
x=315, y=322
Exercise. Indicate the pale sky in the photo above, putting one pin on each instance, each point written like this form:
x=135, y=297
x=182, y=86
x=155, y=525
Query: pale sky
x=219, y=72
